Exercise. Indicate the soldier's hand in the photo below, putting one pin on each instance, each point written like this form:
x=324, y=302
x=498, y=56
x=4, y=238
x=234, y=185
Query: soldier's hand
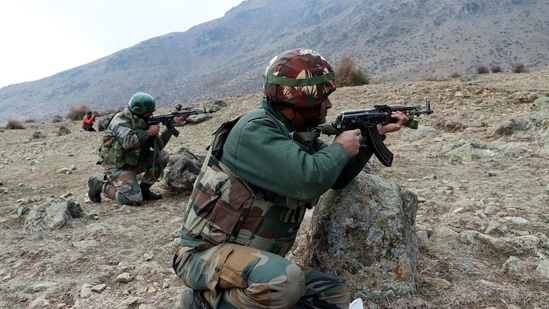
x=178, y=120
x=350, y=141
x=399, y=118
x=153, y=130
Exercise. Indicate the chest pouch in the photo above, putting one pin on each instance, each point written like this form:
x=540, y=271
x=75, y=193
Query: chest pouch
x=218, y=197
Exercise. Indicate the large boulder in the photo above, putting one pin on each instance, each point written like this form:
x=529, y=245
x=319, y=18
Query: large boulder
x=365, y=236
x=182, y=171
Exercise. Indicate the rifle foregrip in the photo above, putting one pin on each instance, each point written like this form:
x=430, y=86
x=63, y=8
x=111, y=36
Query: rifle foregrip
x=383, y=154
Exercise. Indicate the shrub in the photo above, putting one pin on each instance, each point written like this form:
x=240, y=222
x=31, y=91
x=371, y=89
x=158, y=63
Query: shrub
x=495, y=68
x=519, y=68
x=482, y=69
x=14, y=124
x=77, y=112
x=348, y=73
x=57, y=118
x=455, y=75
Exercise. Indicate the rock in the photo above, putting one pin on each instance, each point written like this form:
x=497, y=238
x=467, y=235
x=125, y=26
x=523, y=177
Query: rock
x=438, y=282
x=543, y=268
x=542, y=102
x=183, y=169
x=514, y=265
x=124, y=278
x=52, y=215
x=365, y=236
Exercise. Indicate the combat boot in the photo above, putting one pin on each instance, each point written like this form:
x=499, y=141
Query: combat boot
x=147, y=194
x=94, y=189
x=193, y=299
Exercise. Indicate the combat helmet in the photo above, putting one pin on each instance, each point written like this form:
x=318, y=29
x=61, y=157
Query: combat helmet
x=142, y=103
x=299, y=77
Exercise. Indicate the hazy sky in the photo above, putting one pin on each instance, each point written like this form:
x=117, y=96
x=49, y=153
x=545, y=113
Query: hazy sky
x=39, y=38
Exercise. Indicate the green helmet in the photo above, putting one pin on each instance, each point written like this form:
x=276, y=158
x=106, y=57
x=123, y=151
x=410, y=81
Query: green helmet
x=141, y=103
x=300, y=77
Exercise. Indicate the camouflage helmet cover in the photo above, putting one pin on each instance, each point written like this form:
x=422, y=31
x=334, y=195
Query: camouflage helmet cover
x=142, y=103
x=300, y=77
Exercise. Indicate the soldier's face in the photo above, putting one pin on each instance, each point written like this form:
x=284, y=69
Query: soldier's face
x=147, y=115
x=317, y=113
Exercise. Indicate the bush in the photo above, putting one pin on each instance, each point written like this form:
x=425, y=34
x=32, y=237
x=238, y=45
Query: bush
x=77, y=112
x=495, y=68
x=57, y=118
x=482, y=69
x=14, y=124
x=348, y=73
x=519, y=68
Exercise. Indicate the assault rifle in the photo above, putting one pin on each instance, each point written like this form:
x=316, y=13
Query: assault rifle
x=167, y=119
x=367, y=120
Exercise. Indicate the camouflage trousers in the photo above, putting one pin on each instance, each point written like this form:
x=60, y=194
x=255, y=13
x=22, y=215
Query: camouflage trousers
x=120, y=184
x=240, y=277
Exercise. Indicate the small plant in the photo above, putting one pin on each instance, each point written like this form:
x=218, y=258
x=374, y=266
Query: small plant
x=519, y=68
x=14, y=124
x=57, y=118
x=349, y=74
x=77, y=112
x=455, y=75
x=495, y=68
x=482, y=69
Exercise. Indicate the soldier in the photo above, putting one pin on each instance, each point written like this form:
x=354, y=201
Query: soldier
x=253, y=190
x=130, y=147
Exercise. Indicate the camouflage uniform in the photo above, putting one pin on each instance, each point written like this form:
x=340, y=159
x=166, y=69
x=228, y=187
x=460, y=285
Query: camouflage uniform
x=127, y=151
x=245, y=211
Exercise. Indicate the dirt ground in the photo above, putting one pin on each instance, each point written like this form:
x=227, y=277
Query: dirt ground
x=473, y=175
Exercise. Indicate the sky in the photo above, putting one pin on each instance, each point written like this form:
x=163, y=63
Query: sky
x=39, y=38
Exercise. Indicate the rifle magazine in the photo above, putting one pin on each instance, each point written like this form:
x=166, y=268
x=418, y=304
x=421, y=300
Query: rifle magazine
x=383, y=154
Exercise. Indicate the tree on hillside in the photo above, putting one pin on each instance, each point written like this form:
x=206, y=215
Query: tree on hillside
x=348, y=73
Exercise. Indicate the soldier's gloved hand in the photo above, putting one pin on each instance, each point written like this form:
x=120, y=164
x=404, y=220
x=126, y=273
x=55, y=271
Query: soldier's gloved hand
x=153, y=130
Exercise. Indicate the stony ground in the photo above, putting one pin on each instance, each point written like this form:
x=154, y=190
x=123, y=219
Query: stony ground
x=478, y=166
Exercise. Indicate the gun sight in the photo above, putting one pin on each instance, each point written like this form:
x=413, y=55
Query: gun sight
x=427, y=109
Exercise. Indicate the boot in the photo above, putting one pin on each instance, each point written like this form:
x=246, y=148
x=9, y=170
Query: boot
x=94, y=189
x=193, y=299
x=147, y=194
x=357, y=304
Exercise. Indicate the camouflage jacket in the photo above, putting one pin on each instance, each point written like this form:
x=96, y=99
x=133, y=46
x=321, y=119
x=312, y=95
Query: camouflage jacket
x=257, y=194
x=125, y=140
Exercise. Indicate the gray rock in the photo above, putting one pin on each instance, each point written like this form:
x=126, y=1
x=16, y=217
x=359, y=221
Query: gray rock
x=543, y=268
x=183, y=169
x=365, y=236
x=52, y=215
x=514, y=265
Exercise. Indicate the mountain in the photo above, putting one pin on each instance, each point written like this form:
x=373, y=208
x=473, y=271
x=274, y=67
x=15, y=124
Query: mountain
x=392, y=40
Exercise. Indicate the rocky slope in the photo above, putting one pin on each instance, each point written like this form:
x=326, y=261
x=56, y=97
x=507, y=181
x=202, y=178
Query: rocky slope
x=479, y=166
